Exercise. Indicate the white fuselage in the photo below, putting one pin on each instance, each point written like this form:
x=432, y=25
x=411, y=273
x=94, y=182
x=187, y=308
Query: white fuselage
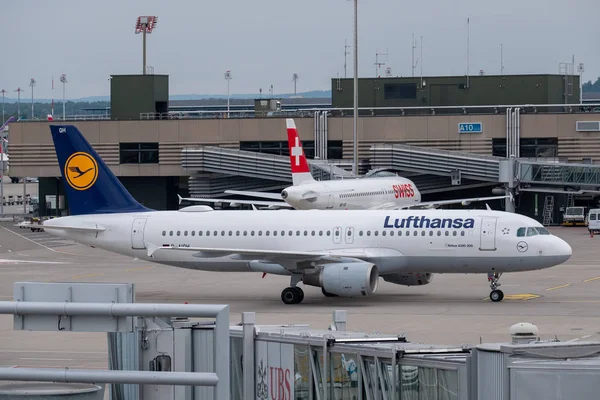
x=352, y=194
x=394, y=240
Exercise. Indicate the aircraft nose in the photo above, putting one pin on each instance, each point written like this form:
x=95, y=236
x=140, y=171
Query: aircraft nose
x=561, y=250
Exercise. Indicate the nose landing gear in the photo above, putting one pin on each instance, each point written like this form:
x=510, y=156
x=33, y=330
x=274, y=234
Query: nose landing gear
x=496, y=294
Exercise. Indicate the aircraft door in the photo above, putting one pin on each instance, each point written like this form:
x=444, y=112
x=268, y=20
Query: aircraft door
x=137, y=233
x=349, y=234
x=337, y=235
x=488, y=234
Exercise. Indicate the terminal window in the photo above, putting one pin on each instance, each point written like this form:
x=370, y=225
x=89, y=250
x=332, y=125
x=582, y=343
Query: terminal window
x=529, y=147
x=138, y=153
x=400, y=91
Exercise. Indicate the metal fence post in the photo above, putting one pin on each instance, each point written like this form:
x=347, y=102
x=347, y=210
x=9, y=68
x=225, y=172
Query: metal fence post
x=248, y=321
x=222, y=356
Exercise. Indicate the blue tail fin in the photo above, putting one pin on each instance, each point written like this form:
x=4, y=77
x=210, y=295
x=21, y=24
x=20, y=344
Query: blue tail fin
x=90, y=185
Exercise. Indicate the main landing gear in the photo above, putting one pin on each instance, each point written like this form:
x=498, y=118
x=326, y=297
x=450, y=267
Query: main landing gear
x=293, y=294
x=496, y=294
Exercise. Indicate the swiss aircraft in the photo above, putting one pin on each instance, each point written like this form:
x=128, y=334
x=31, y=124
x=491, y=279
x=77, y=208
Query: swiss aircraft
x=366, y=193
x=342, y=252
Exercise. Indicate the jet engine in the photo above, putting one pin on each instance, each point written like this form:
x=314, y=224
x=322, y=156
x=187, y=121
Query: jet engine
x=345, y=279
x=409, y=278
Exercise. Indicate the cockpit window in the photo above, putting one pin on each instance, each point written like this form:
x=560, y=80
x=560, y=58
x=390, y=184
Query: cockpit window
x=521, y=232
x=542, y=230
x=531, y=232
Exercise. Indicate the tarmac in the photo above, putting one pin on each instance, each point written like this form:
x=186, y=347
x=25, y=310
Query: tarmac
x=453, y=309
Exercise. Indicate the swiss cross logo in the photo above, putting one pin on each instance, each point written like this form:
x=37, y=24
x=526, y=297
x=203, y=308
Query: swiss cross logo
x=297, y=151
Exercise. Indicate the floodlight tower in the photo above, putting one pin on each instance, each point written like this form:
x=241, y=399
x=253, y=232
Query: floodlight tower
x=19, y=90
x=295, y=79
x=32, y=84
x=228, y=78
x=63, y=80
x=145, y=24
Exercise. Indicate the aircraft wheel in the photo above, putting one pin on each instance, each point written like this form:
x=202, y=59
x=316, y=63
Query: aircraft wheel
x=300, y=293
x=496, y=295
x=327, y=294
x=292, y=295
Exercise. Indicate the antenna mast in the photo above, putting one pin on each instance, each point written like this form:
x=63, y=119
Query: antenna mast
x=468, y=34
x=377, y=63
x=346, y=52
x=414, y=46
x=501, y=60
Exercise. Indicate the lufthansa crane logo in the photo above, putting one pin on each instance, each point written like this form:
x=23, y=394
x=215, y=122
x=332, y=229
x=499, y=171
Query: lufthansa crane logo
x=81, y=171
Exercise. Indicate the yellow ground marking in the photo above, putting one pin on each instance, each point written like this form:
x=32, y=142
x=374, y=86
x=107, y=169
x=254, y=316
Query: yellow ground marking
x=592, y=279
x=559, y=287
x=139, y=268
x=521, y=296
x=86, y=276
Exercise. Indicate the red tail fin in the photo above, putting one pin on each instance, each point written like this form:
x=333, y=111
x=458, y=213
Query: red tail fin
x=299, y=164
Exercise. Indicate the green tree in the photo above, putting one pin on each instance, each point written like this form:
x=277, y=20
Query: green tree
x=591, y=87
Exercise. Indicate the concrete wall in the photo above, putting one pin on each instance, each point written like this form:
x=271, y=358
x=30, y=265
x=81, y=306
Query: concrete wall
x=31, y=150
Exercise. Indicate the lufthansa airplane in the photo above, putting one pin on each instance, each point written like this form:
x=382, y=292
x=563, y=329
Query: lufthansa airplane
x=342, y=252
x=367, y=193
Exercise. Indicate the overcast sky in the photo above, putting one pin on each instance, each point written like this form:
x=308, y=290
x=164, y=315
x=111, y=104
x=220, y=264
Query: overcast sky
x=263, y=42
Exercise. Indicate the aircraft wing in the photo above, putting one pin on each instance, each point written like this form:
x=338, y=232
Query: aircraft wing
x=263, y=195
x=464, y=202
x=272, y=204
x=289, y=259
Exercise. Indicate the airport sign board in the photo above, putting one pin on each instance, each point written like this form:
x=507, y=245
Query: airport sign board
x=470, y=127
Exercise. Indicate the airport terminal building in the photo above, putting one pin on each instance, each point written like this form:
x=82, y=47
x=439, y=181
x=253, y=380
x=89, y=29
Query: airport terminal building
x=451, y=135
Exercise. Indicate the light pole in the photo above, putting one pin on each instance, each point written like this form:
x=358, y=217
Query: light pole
x=63, y=80
x=19, y=90
x=228, y=78
x=32, y=84
x=355, y=113
x=2, y=91
x=145, y=24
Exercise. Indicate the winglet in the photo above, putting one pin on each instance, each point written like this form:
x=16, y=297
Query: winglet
x=488, y=207
x=179, y=197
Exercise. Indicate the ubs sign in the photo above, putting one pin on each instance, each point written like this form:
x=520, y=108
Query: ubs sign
x=274, y=371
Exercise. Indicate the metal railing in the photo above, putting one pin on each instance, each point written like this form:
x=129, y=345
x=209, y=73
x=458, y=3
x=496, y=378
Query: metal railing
x=249, y=112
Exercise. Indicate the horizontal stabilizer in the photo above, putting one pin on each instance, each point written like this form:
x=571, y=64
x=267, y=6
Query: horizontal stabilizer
x=75, y=228
x=233, y=202
x=263, y=195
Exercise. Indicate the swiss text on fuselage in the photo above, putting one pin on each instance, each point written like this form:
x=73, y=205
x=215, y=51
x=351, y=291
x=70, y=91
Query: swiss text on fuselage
x=425, y=222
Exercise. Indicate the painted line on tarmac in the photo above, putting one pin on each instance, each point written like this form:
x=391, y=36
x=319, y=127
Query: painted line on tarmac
x=46, y=359
x=51, y=351
x=520, y=296
x=559, y=287
x=592, y=279
x=33, y=241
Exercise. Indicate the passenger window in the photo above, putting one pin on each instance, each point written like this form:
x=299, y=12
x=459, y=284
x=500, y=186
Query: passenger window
x=207, y=233
x=266, y=233
x=520, y=232
x=193, y=233
x=290, y=233
x=531, y=232
x=399, y=233
x=454, y=233
x=430, y=233
x=439, y=233
x=368, y=233
x=407, y=233
x=245, y=233
x=199, y=233
x=312, y=233
x=328, y=233
x=170, y=233
x=447, y=233
x=305, y=233
x=230, y=233
x=376, y=233
x=422, y=233
x=320, y=233
x=252, y=233
x=274, y=233
x=297, y=233
x=164, y=233
x=184, y=233
x=462, y=233
x=237, y=233
x=215, y=233
x=391, y=233
x=222, y=233
x=415, y=233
